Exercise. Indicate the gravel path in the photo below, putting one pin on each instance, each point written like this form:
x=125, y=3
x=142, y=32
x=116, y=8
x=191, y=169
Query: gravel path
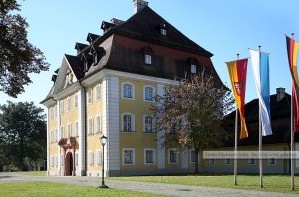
x=158, y=188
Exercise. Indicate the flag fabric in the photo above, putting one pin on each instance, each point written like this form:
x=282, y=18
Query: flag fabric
x=260, y=67
x=292, y=49
x=295, y=107
x=237, y=72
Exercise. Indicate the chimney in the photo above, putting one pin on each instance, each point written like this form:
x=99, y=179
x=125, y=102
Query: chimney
x=280, y=93
x=139, y=5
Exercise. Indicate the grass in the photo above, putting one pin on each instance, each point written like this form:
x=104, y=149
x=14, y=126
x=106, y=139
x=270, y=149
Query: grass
x=49, y=189
x=271, y=183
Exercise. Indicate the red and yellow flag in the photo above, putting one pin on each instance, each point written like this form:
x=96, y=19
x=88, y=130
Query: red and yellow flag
x=293, y=47
x=237, y=72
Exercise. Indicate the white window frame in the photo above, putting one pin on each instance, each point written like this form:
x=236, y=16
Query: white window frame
x=124, y=96
x=147, y=59
x=163, y=32
x=90, y=126
x=98, y=92
x=193, y=69
x=132, y=122
x=145, y=125
x=77, y=129
x=61, y=132
x=69, y=130
x=227, y=161
x=153, y=156
x=133, y=156
x=250, y=161
x=98, y=157
x=90, y=158
x=145, y=94
x=176, y=156
x=98, y=124
x=212, y=162
x=55, y=111
x=192, y=150
x=61, y=107
x=76, y=100
x=69, y=104
x=89, y=96
x=270, y=161
x=56, y=134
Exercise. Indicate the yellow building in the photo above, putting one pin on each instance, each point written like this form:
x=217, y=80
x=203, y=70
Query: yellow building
x=107, y=89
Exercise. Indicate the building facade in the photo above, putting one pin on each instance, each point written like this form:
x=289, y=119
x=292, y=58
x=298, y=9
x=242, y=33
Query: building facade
x=107, y=88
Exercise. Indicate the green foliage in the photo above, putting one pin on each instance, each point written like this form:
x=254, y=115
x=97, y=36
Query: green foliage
x=18, y=57
x=191, y=113
x=23, y=132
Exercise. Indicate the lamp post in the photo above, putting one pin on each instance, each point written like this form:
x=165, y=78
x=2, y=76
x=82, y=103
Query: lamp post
x=103, y=141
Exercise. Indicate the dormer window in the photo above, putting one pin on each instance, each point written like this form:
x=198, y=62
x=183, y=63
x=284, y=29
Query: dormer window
x=163, y=32
x=95, y=58
x=193, y=68
x=147, y=59
x=85, y=62
x=163, y=29
x=148, y=55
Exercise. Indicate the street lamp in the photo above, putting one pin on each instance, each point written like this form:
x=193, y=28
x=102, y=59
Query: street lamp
x=103, y=141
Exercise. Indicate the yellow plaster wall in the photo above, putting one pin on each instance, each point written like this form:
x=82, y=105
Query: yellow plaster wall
x=138, y=139
x=93, y=110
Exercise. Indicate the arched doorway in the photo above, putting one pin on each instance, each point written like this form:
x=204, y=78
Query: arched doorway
x=69, y=164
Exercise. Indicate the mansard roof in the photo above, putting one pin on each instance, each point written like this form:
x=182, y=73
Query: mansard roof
x=124, y=43
x=145, y=25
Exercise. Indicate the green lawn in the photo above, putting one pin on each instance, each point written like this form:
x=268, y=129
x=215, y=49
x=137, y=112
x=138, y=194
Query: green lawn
x=274, y=183
x=48, y=189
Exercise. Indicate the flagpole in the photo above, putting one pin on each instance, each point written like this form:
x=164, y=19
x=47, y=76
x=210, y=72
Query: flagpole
x=260, y=144
x=292, y=137
x=236, y=142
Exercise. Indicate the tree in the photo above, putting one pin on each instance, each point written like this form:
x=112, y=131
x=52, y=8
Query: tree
x=190, y=113
x=18, y=58
x=24, y=133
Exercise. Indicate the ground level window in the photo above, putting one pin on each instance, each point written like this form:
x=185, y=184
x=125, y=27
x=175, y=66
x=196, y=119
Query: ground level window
x=211, y=162
x=251, y=161
x=128, y=156
x=149, y=156
x=173, y=158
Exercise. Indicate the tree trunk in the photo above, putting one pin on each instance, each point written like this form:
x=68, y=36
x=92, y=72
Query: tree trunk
x=196, y=171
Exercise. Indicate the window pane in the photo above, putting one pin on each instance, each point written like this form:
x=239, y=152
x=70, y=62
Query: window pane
x=98, y=92
x=148, y=59
x=172, y=156
x=193, y=156
x=128, y=157
x=127, y=121
x=128, y=91
x=148, y=94
x=149, y=156
x=193, y=69
x=148, y=126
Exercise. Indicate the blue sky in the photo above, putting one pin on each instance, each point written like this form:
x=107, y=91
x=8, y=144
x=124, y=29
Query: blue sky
x=223, y=27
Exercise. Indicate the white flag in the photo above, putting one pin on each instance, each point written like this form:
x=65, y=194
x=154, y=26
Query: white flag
x=260, y=66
